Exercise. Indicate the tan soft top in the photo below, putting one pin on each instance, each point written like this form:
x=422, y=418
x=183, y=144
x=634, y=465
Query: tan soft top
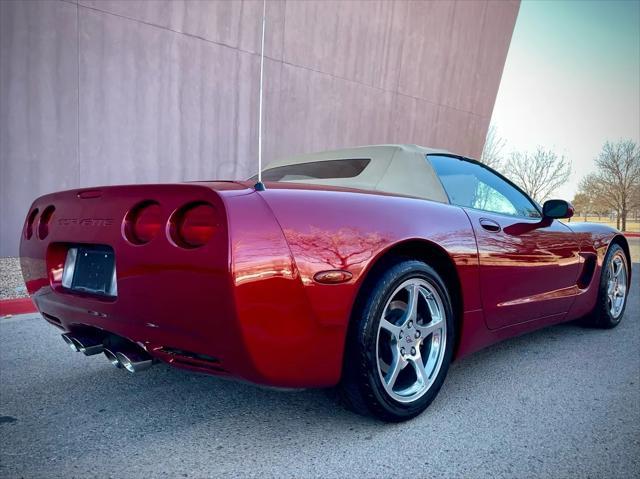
x=400, y=169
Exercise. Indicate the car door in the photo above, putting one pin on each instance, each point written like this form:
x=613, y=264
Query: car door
x=528, y=264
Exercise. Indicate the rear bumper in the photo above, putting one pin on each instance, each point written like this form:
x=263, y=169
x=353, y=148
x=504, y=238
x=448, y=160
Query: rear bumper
x=164, y=339
x=199, y=334
x=151, y=338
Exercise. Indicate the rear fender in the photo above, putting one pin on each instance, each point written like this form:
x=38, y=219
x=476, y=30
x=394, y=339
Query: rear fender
x=283, y=336
x=338, y=230
x=595, y=240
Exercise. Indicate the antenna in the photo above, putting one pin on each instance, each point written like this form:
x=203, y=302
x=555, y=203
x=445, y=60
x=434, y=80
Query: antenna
x=259, y=186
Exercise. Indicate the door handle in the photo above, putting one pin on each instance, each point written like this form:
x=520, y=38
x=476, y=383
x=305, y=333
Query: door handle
x=490, y=225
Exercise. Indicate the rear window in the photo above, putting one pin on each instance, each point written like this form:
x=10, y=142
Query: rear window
x=316, y=170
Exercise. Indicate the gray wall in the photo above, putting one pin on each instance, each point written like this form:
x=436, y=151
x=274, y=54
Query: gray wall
x=113, y=91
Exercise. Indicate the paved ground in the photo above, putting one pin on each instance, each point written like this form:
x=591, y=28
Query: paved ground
x=11, y=282
x=562, y=402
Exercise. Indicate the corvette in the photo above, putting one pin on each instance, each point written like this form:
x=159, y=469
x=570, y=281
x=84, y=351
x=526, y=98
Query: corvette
x=368, y=268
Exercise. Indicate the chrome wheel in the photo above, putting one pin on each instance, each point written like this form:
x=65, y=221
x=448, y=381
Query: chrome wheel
x=617, y=285
x=411, y=340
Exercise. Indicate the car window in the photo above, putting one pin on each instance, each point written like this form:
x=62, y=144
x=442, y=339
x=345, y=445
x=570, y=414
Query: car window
x=474, y=186
x=316, y=170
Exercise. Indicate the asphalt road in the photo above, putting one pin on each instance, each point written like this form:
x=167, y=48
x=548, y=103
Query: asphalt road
x=562, y=402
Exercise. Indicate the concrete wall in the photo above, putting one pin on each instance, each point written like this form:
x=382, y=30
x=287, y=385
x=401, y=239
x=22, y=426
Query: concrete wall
x=113, y=91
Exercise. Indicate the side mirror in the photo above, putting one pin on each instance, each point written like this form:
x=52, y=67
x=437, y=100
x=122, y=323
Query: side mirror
x=557, y=209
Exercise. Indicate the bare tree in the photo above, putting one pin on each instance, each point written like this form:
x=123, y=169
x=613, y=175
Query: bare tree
x=493, y=146
x=634, y=210
x=617, y=181
x=538, y=174
x=591, y=187
x=583, y=204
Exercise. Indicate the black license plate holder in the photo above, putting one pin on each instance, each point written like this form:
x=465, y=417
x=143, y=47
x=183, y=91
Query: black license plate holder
x=94, y=271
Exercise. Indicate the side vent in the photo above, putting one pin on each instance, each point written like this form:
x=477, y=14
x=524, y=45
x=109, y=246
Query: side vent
x=588, y=269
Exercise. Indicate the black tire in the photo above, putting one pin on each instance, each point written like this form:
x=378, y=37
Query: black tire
x=601, y=316
x=361, y=387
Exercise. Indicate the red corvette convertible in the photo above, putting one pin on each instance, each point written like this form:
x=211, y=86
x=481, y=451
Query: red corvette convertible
x=370, y=268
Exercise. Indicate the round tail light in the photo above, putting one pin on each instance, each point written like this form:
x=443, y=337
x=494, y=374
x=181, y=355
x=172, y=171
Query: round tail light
x=193, y=225
x=43, y=223
x=28, y=227
x=143, y=222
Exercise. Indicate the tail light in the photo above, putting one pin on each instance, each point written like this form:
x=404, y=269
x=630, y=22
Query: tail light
x=43, y=223
x=193, y=225
x=28, y=228
x=143, y=222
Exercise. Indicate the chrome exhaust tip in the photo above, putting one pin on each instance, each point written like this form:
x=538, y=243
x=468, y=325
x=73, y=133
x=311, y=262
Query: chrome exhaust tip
x=88, y=347
x=70, y=342
x=111, y=356
x=120, y=355
x=134, y=361
x=83, y=344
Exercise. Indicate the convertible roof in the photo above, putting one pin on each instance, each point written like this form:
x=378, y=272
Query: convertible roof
x=399, y=169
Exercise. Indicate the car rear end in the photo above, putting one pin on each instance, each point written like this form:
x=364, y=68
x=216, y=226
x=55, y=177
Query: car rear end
x=141, y=268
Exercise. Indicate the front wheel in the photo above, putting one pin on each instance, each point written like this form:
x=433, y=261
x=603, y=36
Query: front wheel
x=400, y=344
x=612, y=292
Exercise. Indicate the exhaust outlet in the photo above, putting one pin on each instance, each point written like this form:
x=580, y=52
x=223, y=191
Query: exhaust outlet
x=119, y=352
x=83, y=344
x=70, y=342
x=111, y=356
x=134, y=361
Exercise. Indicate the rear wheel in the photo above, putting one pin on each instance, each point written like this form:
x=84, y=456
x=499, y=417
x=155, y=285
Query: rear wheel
x=613, y=289
x=400, y=343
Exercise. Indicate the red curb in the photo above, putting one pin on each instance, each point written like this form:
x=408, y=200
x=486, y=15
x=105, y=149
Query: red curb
x=631, y=235
x=16, y=306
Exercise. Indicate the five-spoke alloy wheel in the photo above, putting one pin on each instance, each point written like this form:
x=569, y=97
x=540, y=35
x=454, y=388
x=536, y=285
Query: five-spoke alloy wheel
x=412, y=332
x=617, y=284
x=400, y=343
x=612, y=290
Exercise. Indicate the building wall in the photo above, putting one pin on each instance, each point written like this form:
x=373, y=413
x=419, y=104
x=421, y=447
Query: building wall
x=116, y=91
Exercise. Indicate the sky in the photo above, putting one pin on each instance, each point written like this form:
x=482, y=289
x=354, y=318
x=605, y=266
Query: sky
x=571, y=80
